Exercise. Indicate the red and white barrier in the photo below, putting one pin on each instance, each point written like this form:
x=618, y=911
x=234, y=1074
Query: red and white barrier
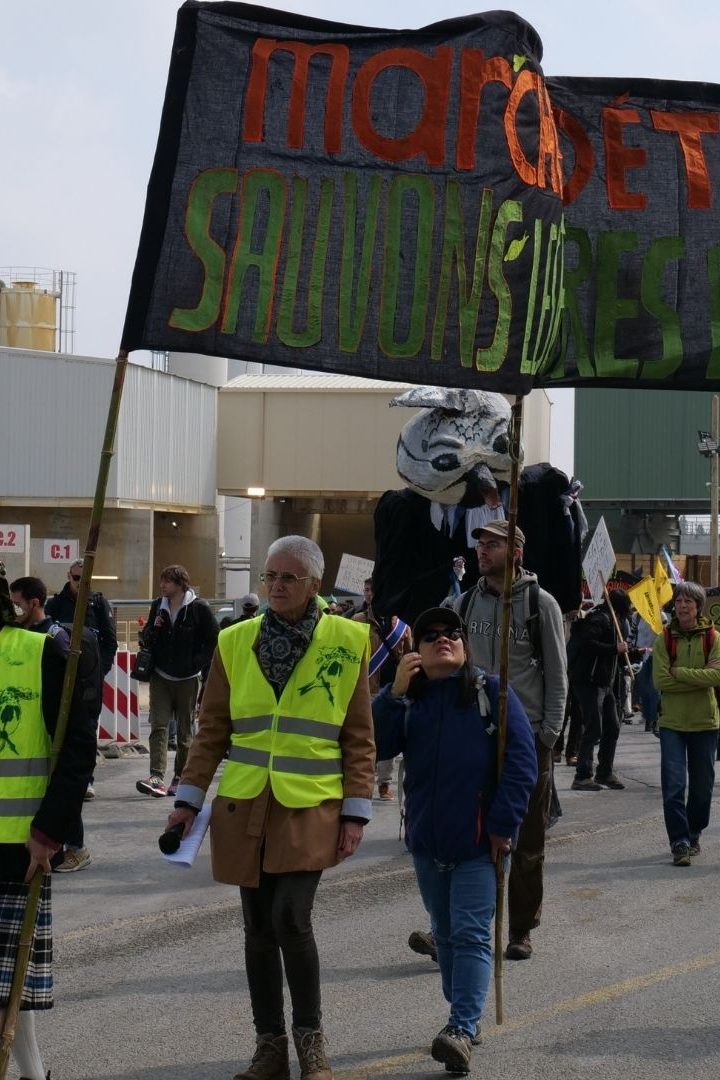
x=120, y=718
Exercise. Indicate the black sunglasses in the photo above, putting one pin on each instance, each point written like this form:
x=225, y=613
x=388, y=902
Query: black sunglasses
x=432, y=635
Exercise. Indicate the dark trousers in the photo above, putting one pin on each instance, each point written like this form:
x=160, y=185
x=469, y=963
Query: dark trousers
x=168, y=699
x=525, y=887
x=687, y=760
x=600, y=722
x=278, y=931
x=572, y=724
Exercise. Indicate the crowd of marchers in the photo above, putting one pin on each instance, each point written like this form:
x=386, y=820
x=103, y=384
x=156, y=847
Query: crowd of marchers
x=305, y=707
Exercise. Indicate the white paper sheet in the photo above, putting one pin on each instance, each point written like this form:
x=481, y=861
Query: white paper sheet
x=187, y=852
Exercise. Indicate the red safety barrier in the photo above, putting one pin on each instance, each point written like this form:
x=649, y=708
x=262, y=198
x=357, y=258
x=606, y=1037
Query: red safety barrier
x=120, y=718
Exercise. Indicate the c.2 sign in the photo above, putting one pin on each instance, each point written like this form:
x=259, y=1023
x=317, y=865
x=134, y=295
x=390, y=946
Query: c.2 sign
x=12, y=539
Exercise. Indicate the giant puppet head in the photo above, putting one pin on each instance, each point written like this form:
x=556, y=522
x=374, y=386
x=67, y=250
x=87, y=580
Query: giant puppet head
x=457, y=449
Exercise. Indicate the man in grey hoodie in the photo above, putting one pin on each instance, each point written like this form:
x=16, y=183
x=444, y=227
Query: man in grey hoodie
x=538, y=674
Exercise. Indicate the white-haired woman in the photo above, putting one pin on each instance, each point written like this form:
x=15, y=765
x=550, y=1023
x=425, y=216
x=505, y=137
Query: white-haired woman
x=287, y=696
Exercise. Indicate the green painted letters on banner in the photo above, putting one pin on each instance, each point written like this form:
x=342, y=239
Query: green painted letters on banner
x=313, y=330
x=660, y=252
x=492, y=357
x=205, y=189
x=453, y=251
x=422, y=188
x=713, y=265
x=254, y=184
x=352, y=316
x=611, y=308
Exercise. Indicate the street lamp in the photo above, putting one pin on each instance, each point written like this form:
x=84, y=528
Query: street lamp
x=709, y=446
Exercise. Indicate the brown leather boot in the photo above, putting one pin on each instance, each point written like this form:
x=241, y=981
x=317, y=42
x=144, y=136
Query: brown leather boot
x=310, y=1046
x=270, y=1060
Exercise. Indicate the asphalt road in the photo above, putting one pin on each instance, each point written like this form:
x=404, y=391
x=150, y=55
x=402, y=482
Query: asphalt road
x=624, y=981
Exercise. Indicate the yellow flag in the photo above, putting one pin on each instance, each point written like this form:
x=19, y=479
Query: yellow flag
x=645, y=602
x=663, y=585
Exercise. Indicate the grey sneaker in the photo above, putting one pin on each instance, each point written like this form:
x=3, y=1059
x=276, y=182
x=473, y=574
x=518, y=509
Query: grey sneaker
x=75, y=859
x=681, y=854
x=453, y=1048
x=423, y=944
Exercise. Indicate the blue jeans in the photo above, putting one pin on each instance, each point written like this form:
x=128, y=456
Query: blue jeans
x=461, y=903
x=687, y=756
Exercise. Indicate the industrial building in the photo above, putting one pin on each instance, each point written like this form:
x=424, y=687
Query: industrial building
x=213, y=459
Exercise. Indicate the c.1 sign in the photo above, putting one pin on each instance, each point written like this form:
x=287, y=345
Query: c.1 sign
x=60, y=551
x=12, y=539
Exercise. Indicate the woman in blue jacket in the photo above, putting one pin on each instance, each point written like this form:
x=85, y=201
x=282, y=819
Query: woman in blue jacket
x=441, y=714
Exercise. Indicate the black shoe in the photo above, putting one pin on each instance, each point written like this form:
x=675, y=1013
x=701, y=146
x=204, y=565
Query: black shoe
x=453, y=1048
x=519, y=947
x=585, y=784
x=694, y=846
x=423, y=944
x=610, y=781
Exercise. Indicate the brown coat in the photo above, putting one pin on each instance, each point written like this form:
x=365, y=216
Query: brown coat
x=248, y=835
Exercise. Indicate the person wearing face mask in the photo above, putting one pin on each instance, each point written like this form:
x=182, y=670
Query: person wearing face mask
x=441, y=713
x=686, y=671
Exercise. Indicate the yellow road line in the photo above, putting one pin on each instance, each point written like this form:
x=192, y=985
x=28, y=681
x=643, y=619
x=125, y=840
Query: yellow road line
x=540, y=1016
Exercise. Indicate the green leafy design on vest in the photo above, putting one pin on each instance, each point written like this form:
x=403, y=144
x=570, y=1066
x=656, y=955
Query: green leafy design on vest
x=330, y=665
x=10, y=713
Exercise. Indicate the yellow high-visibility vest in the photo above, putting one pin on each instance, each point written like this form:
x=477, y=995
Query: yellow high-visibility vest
x=24, y=742
x=294, y=741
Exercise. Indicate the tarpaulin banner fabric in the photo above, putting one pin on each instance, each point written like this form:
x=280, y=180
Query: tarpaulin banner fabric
x=373, y=202
x=641, y=166
x=390, y=204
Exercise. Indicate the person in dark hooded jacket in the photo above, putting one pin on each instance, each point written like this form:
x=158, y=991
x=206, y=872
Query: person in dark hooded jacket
x=442, y=715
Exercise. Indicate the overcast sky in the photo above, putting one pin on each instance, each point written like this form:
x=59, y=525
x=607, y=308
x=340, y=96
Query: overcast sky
x=82, y=85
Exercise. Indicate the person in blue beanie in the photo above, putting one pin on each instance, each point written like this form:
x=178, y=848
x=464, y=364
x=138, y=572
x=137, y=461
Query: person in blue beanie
x=441, y=713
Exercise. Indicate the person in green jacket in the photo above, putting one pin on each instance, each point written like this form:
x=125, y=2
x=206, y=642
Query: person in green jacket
x=686, y=670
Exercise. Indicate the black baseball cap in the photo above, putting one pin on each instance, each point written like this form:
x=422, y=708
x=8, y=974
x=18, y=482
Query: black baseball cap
x=443, y=615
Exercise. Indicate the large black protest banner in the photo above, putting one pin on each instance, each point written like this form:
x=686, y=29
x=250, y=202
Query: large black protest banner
x=641, y=164
x=365, y=201
x=390, y=204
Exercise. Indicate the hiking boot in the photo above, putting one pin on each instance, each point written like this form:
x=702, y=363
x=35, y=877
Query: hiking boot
x=694, y=846
x=152, y=786
x=571, y=760
x=610, y=781
x=270, y=1060
x=681, y=854
x=75, y=859
x=519, y=947
x=172, y=790
x=585, y=784
x=453, y=1047
x=310, y=1046
x=385, y=791
x=423, y=944
x=477, y=1037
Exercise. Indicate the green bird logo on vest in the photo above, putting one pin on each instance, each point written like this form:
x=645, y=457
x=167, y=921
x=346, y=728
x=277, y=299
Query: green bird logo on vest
x=11, y=698
x=330, y=668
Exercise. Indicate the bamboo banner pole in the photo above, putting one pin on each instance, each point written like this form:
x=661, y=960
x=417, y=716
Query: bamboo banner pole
x=515, y=435
x=618, y=631
x=27, y=928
